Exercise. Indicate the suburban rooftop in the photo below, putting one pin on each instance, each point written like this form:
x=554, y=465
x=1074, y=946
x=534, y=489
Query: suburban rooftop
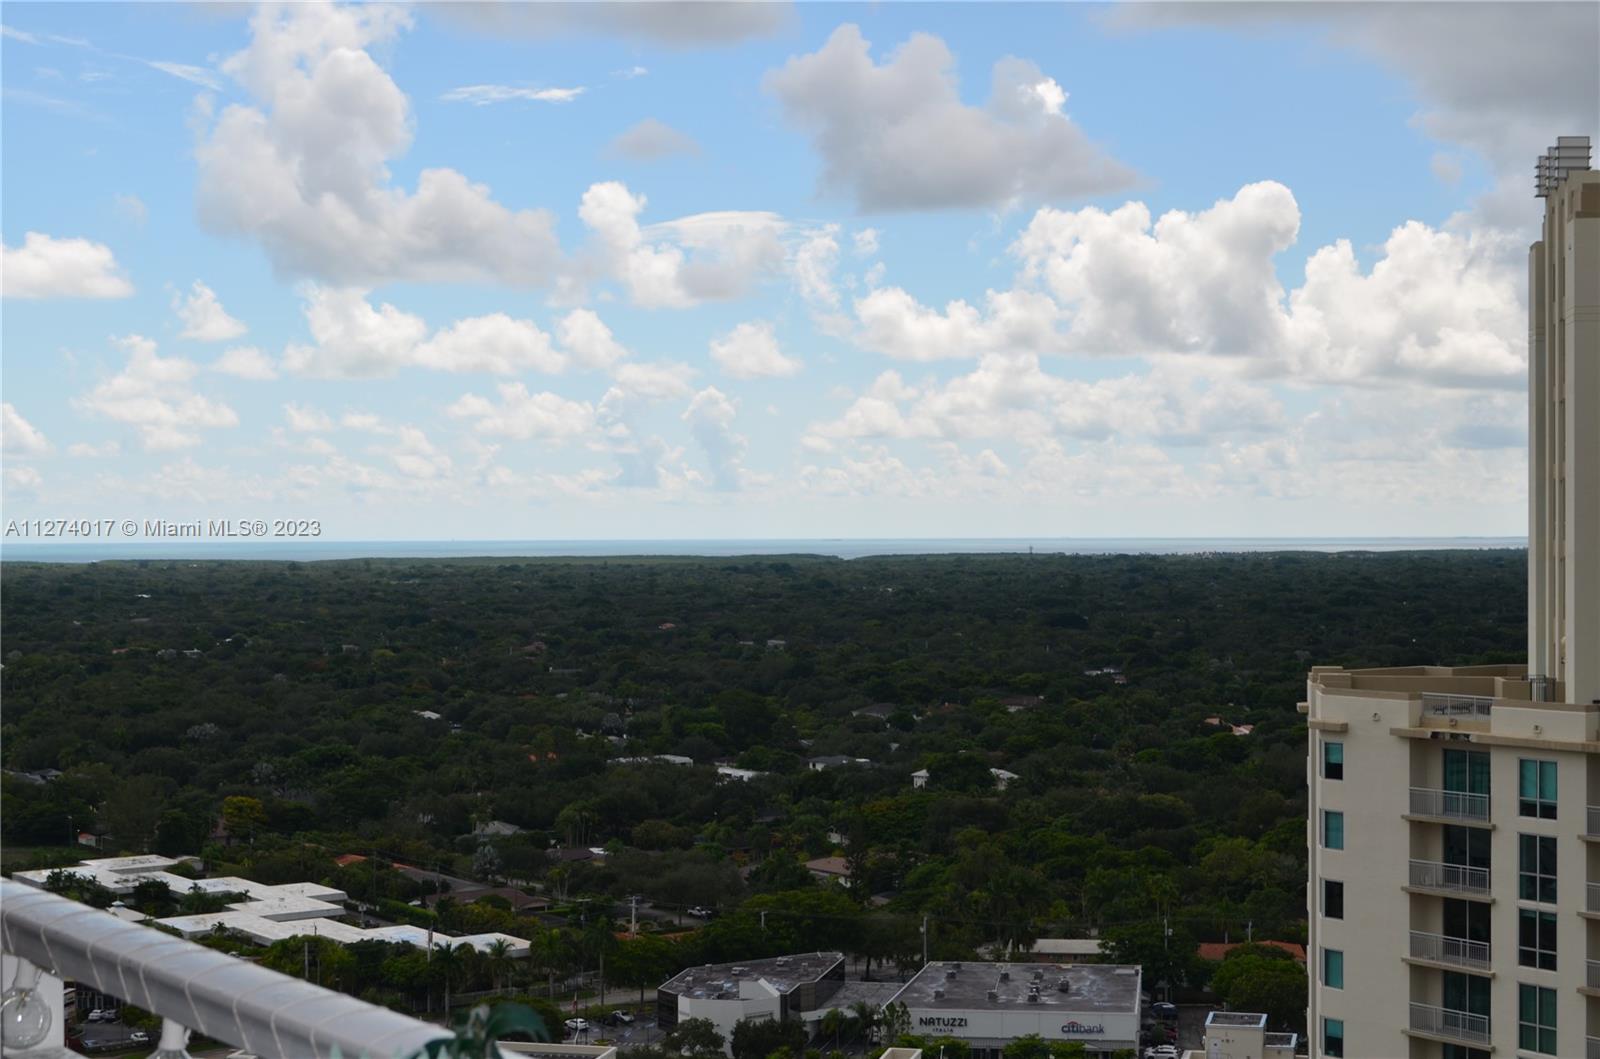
x=1091, y=988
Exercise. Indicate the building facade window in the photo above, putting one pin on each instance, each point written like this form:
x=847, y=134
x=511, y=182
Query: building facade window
x=1333, y=968
x=1466, y=846
x=1536, y=868
x=1536, y=788
x=1333, y=898
x=1333, y=1038
x=1332, y=761
x=1468, y=920
x=1466, y=771
x=1466, y=992
x=1536, y=939
x=1536, y=1019
x=1332, y=829
x=1461, y=1051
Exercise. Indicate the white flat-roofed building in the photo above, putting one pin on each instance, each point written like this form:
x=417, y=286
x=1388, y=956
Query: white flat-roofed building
x=780, y=987
x=232, y=884
x=404, y=932
x=1454, y=813
x=316, y=891
x=261, y=931
x=285, y=907
x=988, y=1005
x=1243, y=1035
x=482, y=942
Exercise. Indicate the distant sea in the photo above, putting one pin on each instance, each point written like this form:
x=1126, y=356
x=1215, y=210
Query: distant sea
x=842, y=548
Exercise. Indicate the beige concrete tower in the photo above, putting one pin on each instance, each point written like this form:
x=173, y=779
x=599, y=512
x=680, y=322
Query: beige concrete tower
x=1564, y=426
x=1454, y=825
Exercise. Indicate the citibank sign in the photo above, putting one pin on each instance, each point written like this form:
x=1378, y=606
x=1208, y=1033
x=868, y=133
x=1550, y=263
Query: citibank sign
x=1078, y=1028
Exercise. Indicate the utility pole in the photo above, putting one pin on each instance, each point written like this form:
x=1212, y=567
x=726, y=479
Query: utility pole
x=924, y=941
x=763, y=919
x=1250, y=931
x=633, y=915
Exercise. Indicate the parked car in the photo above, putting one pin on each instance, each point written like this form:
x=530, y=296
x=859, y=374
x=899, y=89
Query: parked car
x=577, y=1025
x=1161, y=1051
x=102, y=1015
x=138, y=1037
x=620, y=1017
x=1164, y=1011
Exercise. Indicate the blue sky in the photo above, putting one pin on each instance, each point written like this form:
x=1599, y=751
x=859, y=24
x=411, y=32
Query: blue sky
x=813, y=270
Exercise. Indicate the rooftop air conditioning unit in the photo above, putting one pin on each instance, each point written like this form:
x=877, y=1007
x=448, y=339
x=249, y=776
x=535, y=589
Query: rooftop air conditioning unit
x=938, y=994
x=993, y=996
x=1005, y=976
x=1064, y=986
x=741, y=970
x=1033, y=998
x=1038, y=975
x=950, y=972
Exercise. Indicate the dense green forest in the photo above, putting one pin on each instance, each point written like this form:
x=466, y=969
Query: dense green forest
x=292, y=694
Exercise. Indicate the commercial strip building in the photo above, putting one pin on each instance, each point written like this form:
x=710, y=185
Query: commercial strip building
x=780, y=987
x=270, y=913
x=1454, y=825
x=989, y=1005
x=985, y=1004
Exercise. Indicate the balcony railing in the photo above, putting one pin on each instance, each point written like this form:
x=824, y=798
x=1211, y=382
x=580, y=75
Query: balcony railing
x=1453, y=805
x=1592, y=823
x=1591, y=1047
x=1440, y=948
x=261, y=1011
x=1439, y=705
x=1446, y=1022
x=1592, y=898
x=1456, y=878
x=1592, y=970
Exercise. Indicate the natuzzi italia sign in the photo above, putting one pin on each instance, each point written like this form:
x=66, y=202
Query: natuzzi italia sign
x=1011, y=1021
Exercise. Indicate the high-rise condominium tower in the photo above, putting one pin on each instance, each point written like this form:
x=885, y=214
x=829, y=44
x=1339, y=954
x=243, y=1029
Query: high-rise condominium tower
x=1454, y=827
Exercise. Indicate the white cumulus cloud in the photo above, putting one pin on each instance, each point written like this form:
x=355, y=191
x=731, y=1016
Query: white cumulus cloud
x=47, y=267
x=897, y=136
x=18, y=437
x=303, y=167
x=750, y=351
x=152, y=394
x=204, y=318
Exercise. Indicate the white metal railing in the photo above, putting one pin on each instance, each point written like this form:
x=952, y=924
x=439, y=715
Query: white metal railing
x=1592, y=898
x=266, y=1013
x=1592, y=824
x=1440, y=705
x=1591, y=1047
x=1455, y=805
x=1441, y=948
x=1447, y=1022
x=1457, y=878
x=1592, y=969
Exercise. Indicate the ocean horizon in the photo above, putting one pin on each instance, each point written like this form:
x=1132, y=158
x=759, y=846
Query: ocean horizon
x=302, y=550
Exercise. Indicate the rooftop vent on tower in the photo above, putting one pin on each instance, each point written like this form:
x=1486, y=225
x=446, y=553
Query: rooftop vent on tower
x=1569, y=155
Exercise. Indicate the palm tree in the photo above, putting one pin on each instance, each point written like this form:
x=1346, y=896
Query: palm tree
x=863, y=1016
x=498, y=958
x=447, y=965
x=832, y=1023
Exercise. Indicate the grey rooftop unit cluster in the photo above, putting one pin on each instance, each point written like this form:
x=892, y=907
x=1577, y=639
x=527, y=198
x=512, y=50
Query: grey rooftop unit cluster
x=1569, y=155
x=1075, y=987
x=783, y=973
